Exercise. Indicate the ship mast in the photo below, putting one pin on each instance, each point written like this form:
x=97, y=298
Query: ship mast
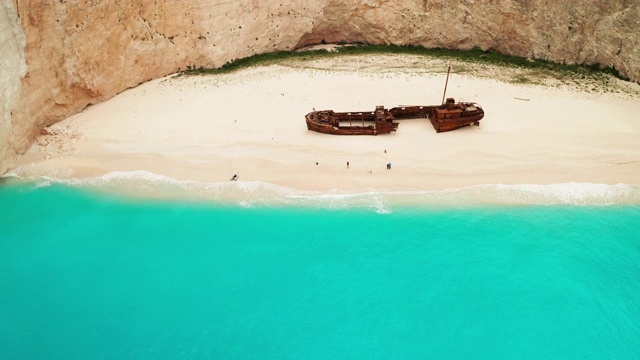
x=445, y=85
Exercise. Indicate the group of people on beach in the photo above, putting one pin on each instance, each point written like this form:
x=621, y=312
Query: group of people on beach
x=235, y=176
x=388, y=165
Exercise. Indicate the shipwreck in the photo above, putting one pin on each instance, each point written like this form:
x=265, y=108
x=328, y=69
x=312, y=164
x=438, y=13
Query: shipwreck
x=447, y=116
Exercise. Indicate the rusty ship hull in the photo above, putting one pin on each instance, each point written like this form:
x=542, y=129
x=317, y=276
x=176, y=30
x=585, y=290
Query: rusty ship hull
x=451, y=115
x=380, y=121
x=445, y=117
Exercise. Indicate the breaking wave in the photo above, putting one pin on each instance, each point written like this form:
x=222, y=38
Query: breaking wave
x=261, y=194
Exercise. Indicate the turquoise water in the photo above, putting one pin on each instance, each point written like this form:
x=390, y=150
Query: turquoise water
x=89, y=276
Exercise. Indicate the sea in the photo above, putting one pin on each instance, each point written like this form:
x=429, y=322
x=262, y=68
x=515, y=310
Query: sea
x=91, y=271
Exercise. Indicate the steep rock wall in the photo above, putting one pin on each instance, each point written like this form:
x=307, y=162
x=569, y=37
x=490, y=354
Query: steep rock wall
x=12, y=68
x=80, y=52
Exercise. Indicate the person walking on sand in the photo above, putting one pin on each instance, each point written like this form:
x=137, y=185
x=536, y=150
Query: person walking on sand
x=347, y=164
x=388, y=166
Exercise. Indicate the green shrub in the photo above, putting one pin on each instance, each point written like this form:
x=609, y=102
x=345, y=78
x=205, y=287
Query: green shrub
x=475, y=54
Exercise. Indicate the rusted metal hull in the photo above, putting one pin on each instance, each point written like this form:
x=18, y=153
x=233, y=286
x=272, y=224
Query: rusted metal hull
x=446, y=117
x=452, y=124
x=452, y=115
x=412, y=111
x=339, y=130
x=380, y=121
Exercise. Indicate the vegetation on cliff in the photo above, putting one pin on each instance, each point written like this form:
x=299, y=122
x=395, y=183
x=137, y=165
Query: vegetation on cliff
x=531, y=70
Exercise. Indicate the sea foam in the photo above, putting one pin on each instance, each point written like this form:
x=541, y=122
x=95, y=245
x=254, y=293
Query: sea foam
x=259, y=194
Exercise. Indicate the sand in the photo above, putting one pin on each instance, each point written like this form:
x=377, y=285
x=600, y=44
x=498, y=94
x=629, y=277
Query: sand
x=207, y=128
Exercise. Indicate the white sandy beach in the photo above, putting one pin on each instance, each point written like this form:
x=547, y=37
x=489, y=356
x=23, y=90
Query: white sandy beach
x=251, y=123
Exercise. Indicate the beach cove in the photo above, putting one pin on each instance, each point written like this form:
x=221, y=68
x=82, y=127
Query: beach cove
x=207, y=128
x=162, y=198
x=125, y=237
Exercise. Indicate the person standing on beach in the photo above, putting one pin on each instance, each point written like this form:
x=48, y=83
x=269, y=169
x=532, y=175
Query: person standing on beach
x=347, y=164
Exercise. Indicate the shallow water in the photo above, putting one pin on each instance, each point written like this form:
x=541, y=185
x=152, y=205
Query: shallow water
x=87, y=274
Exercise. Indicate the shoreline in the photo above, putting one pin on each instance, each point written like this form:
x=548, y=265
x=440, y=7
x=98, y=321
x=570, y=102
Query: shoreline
x=207, y=128
x=144, y=186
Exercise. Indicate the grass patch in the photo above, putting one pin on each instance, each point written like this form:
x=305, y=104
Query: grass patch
x=476, y=54
x=522, y=80
x=260, y=59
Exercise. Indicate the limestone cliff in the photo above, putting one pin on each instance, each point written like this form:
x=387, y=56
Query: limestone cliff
x=12, y=68
x=63, y=55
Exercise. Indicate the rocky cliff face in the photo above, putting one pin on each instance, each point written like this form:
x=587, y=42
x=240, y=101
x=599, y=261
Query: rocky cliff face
x=12, y=68
x=60, y=56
